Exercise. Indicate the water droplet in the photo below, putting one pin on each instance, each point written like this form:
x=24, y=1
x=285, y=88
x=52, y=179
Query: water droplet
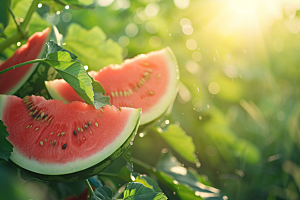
x=208, y=106
x=167, y=122
x=198, y=89
x=164, y=150
x=225, y=197
x=141, y=135
x=170, y=34
x=131, y=143
x=232, y=79
x=40, y=5
x=198, y=164
x=215, y=59
x=228, y=57
x=200, y=117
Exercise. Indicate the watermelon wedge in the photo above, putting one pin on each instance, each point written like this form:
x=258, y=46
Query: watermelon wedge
x=65, y=142
x=147, y=81
x=11, y=81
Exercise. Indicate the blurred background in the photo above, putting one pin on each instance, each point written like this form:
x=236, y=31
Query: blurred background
x=240, y=83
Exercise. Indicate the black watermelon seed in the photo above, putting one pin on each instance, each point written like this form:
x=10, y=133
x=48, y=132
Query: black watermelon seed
x=34, y=115
x=85, y=126
x=39, y=115
x=44, y=116
x=64, y=146
x=75, y=133
x=29, y=107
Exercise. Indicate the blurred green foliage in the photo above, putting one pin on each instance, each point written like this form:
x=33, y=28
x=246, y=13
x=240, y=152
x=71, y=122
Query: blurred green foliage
x=240, y=83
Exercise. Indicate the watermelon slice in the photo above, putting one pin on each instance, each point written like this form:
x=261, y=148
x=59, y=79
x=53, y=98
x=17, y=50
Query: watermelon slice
x=147, y=81
x=66, y=141
x=12, y=80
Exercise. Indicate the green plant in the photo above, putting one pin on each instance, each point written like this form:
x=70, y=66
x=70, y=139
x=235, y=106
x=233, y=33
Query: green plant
x=167, y=178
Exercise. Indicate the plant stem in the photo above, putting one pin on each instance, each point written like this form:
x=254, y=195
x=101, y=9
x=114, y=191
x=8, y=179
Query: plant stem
x=120, y=190
x=143, y=165
x=22, y=64
x=29, y=14
x=12, y=39
x=89, y=187
x=22, y=29
x=17, y=22
x=109, y=174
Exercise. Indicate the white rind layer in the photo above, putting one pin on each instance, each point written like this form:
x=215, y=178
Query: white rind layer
x=80, y=164
x=53, y=92
x=166, y=100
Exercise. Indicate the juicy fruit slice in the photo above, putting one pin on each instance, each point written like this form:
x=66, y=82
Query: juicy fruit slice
x=53, y=138
x=12, y=80
x=147, y=81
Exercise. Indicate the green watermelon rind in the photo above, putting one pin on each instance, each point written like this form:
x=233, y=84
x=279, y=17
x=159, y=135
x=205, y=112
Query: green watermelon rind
x=91, y=171
x=89, y=166
x=167, y=99
x=33, y=67
x=53, y=93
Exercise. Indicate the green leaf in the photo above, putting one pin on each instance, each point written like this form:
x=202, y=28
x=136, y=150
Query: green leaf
x=127, y=156
x=102, y=193
x=137, y=191
x=146, y=181
x=182, y=180
x=56, y=5
x=92, y=47
x=5, y=146
x=70, y=70
x=125, y=174
x=4, y=14
x=52, y=47
x=183, y=144
x=99, y=98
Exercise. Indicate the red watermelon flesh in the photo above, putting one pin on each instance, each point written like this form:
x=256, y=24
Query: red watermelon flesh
x=12, y=80
x=147, y=81
x=50, y=137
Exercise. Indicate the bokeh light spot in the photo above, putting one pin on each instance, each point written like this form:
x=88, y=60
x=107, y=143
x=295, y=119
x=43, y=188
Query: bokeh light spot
x=185, y=21
x=192, y=66
x=187, y=29
x=67, y=17
x=122, y=4
x=214, y=88
x=155, y=41
x=131, y=30
x=123, y=41
x=152, y=9
x=105, y=3
x=197, y=56
x=191, y=44
x=230, y=71
x=182, y=4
